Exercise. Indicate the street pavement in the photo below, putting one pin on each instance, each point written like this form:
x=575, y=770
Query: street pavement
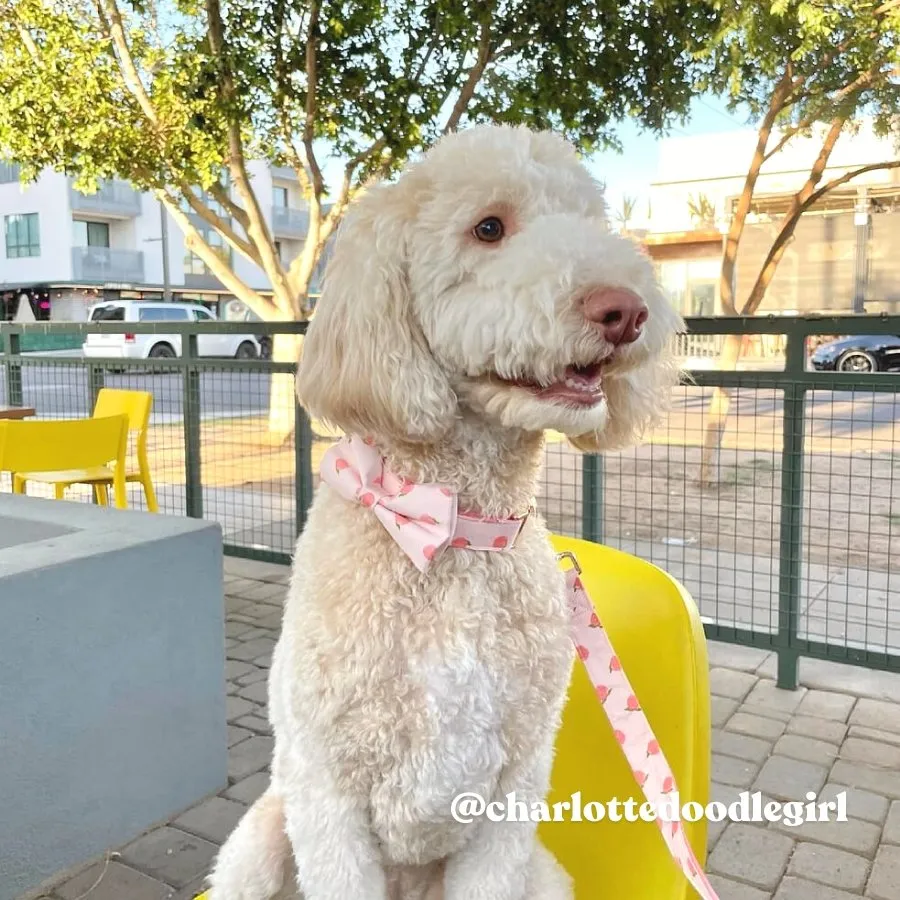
x=58, y=389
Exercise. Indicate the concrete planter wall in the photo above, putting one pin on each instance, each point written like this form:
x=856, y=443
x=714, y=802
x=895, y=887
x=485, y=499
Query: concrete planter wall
x=112, y=703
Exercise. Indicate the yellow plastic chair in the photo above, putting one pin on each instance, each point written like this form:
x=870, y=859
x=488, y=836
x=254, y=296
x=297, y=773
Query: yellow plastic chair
x=656, y=630
x=49, y=450
x=136, y=405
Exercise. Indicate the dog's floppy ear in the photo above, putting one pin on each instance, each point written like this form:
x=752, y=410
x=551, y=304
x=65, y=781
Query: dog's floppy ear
x=365, y=366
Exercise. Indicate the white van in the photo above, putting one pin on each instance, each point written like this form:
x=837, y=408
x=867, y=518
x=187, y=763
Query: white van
x=161, y=346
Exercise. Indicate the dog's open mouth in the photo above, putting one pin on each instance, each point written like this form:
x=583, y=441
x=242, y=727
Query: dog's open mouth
x=580, y=386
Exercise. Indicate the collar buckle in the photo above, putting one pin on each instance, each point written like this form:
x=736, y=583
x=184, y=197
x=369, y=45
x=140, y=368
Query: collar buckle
x=528, y=514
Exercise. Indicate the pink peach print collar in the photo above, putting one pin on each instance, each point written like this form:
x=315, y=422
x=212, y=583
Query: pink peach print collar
x=424, y=520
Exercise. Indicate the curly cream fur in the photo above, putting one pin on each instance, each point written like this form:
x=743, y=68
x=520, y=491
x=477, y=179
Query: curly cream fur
x=392, y=691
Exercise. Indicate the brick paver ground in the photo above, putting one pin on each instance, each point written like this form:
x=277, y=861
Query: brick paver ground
x=839, y=732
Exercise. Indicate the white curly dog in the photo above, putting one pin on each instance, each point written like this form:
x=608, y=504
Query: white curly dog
x=473, y=304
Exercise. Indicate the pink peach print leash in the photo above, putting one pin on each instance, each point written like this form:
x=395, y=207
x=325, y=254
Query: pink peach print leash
x=631, y=728
x=424, y=519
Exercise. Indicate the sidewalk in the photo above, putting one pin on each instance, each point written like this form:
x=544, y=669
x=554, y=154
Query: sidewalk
x=840, y=731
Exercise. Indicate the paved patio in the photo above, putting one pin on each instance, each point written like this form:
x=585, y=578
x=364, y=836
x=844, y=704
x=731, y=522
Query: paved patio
x=840, y=731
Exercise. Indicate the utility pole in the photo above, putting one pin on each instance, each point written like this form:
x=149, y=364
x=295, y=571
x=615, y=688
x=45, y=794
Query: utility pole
x=164, y=239
x=862, y=221
x=164, y=247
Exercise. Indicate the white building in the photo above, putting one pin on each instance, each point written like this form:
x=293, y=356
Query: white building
x=64, y=250
x=846, y=251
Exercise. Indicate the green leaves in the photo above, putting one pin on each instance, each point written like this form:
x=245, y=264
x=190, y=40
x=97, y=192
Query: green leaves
x=824, y=46
x=383, y=69
x=170, y=93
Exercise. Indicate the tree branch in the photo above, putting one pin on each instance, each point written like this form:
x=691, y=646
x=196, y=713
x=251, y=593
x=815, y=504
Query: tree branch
x=195, y=243
x=786, y=232
x=468, y=89
x=312, y=45
x=220, y=195
x=801, y=201
x=511, y=47
x=432, y=46
x=255, y=224
x=777, y=103
x=861, y=82
x=314, y=186
x=335, y=214
x=28, y=42
x=108, y=11
x=848, y=176
x=296, y=159
x=283, y=91
x=243, y=247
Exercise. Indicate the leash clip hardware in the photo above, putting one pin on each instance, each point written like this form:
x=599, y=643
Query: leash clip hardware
x=567, y=554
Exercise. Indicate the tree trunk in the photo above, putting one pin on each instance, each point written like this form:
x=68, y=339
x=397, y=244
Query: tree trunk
x=731, y=350
x=282, y=402
x=717, y=415
x=721, y=401
x=736, y=229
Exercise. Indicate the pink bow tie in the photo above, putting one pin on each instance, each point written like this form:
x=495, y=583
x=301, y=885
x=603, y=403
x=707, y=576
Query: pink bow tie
x=422, y=518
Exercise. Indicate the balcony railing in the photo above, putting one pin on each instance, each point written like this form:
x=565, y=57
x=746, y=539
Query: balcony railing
x=113, y=198
x=284, y=173
x=289, y=223
x=105, y=264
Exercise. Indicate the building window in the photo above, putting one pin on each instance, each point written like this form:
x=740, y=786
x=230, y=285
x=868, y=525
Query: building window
x=23, y=236
x=193, y=265
x=90, y=234
x=280, y=197
x=702, y=298
x=207, y=199
x=9, y=172
x=691, y=285
x=278, y=251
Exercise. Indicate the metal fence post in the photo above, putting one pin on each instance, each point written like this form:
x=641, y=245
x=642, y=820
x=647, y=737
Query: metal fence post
x=303, y=476
x=791, y=533
x=193, y=484
x=592, y=497
x=11, y=350
x=96, y=381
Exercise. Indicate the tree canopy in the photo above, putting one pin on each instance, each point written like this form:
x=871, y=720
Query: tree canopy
x=809, y=68
x=177, y=96
x=802, y=68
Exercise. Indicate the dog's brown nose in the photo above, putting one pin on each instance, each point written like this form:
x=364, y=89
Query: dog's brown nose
x=618, y=313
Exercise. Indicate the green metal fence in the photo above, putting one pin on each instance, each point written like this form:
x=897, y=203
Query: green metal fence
x=212, y=451
x=791, y=541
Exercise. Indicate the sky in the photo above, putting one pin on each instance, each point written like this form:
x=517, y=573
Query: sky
x=630, y=172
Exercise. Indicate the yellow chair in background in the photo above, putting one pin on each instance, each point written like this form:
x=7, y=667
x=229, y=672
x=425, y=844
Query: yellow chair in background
x=656, y=630
x=136, y=406
x=48, y=451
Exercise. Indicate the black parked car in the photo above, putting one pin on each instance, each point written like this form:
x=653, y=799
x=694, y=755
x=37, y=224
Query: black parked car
x=858, y=353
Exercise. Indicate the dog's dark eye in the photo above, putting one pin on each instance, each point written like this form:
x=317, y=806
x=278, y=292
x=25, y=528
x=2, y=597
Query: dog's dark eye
x=489, y=230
